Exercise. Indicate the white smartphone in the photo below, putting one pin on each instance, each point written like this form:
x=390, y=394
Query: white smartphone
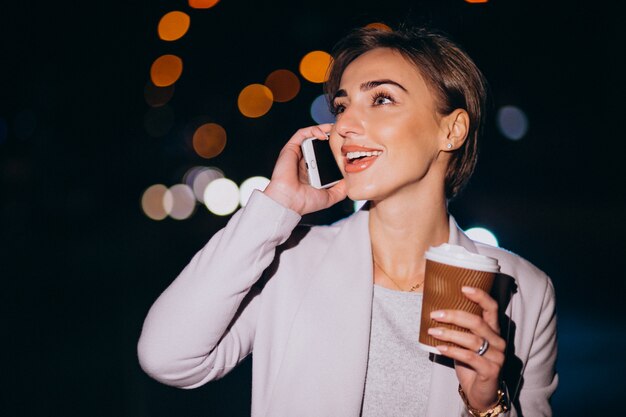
x=320, y=163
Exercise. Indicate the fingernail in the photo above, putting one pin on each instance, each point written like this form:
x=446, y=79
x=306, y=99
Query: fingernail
x=442, y=348
x=469, y=290
x=435, y=332
x=437, y=314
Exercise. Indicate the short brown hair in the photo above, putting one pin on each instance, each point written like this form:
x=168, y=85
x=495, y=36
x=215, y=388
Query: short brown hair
x=448, y=71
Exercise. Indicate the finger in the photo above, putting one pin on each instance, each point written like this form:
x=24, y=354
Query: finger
x=468, y=341
x=487, y=369
x=337, y=192
x=487, y=303
x=475, y=324
x=318, y=131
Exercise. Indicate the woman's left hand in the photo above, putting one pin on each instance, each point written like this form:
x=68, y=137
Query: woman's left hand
x=479, y=376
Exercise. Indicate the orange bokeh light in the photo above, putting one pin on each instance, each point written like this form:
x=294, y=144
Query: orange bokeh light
x=166, y=70
x=379, y=26
x=314, y=66
x=284, y=84
x=209, y=140
x=476, y=1
x=157, y=96
x=173, y=26
x=203, y=4
x=255, y=100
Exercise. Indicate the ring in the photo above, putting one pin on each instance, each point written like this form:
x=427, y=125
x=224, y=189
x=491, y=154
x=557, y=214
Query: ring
x=483, y=348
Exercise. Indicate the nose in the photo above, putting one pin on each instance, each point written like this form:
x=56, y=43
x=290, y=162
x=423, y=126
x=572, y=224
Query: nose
x=348, y=122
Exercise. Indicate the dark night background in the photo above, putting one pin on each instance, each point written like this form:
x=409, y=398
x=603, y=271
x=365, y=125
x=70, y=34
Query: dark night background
x=80, y=264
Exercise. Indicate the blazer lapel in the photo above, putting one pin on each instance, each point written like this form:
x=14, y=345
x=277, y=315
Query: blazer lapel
x=323, y=371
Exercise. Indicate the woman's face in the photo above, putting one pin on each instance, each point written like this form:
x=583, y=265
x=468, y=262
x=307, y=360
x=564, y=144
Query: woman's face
x=388, y=134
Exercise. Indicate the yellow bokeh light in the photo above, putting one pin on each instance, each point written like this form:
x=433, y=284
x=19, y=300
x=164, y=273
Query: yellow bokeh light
x=314, y=66
x=166, y=70
x=152, y=202
x=209, y=140
x=284, y=84
x=173, y=26
x=255, y=100
x=379, y=26
x=203, y=4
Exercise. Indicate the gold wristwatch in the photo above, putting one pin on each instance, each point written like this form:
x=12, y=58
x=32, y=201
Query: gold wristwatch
x=501, y=407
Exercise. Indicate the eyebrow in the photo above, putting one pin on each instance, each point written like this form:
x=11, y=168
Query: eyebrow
x=368, y=85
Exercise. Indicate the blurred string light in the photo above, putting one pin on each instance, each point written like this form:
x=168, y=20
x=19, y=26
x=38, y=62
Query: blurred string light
x=166, y=70
x=179, y=201
x=209, y=140
x=255, y=100
x=248, y=186
x=320, y=112
x=152, y=202
x=3, y=130
x=198, y=178
x=379, y=26
x=159, y=121
x=314, y=66
x=284, y=85
x=221, y=196
x=173, y=26
x=157, y=96
x=203, y=4
x=512, y=122
x=480, y=234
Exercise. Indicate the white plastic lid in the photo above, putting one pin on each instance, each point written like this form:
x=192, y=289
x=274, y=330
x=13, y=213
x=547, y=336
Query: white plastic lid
x=459, y=256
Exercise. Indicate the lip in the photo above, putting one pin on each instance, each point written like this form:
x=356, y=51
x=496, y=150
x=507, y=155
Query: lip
x=361, y=164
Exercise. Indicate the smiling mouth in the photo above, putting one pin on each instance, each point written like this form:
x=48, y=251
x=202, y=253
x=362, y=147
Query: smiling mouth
x=357, y=161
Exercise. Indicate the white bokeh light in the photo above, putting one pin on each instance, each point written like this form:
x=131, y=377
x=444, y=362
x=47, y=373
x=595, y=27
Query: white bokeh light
x=512, y=122
x=482, y=235
x=221, y=196
x=180, y=201
x=202, y=177
x=249, y=185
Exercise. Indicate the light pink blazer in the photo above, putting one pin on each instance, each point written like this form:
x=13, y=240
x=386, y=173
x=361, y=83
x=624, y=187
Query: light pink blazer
x=309, y=324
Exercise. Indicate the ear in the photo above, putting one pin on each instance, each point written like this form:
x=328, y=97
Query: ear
x=454, y=128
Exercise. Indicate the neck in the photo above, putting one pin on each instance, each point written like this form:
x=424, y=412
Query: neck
x=402, y=227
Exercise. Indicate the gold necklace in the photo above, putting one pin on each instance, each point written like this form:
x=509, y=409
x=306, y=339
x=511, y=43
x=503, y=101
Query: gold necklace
x=413, y=288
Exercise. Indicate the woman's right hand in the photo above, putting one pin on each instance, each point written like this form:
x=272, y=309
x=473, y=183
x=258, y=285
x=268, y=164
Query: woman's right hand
x=289, y=185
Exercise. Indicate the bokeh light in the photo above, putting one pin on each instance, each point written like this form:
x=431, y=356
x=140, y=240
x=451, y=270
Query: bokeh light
x=166, y=70
x=512, y=122
x=314, y=66
x=255, y=100
x=152, y=202
x=198, y=178
x=320, y=112
x=158, y=121
x=173, y=26
x=209, y=140
x=221, y=197
x=179, y=202
x=4, y=130
x=203, y=4
x=379, y=26
x=480, y=234
x=284, y=84
x=476, y=1
x=157, y=96
x=248, y=186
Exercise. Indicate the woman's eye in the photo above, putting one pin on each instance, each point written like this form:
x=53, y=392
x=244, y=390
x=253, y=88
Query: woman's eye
x=381, y=100
x=338, y=108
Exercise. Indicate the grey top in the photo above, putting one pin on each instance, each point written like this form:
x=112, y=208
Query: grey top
x=398, y=371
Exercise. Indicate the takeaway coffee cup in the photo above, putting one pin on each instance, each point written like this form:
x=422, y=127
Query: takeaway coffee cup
x=448, y=269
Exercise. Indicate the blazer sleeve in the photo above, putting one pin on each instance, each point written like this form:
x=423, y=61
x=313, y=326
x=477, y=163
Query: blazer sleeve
x=204, y=323
x=540, y=377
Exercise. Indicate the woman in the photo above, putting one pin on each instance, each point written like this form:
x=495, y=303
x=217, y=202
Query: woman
x=330, y=311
